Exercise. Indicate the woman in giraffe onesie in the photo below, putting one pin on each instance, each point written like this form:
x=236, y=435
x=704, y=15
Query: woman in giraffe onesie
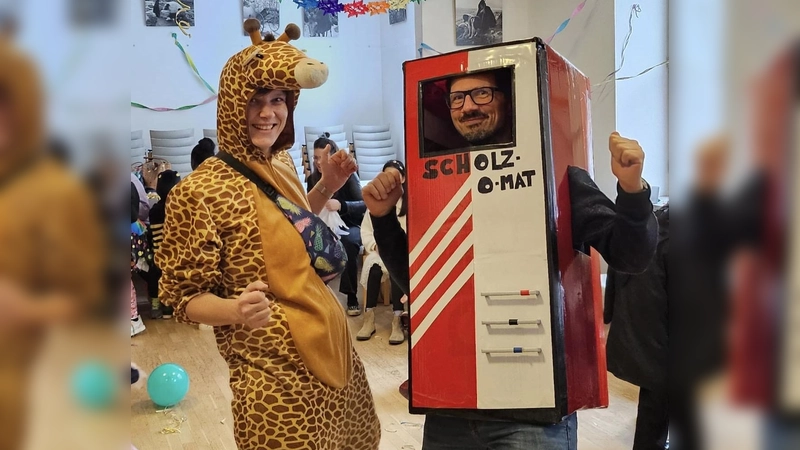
x=231, y=259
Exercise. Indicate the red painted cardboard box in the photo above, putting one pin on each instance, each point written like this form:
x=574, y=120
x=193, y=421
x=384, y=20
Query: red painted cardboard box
x=506, y=316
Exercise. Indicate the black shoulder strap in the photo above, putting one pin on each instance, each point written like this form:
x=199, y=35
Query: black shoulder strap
x=249, y=174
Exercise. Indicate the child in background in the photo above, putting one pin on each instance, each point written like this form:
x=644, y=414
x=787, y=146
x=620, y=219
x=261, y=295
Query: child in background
x=166, y=181
x=374, y=272
x=137, y=325
x=202, y=151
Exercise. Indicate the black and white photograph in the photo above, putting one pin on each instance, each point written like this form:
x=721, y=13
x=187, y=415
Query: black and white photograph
x=318, y=24
x=479, y=22
x=268, y=12
x=397, y=15
x=160, y=13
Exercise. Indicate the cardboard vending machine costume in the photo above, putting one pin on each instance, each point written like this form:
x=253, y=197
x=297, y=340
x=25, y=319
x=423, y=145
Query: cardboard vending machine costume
x=506, y=316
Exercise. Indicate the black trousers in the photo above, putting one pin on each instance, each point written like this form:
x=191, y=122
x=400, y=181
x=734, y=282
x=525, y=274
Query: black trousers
x=152, y=277
x=374, y=289
x=652, y=421
x=348, y=283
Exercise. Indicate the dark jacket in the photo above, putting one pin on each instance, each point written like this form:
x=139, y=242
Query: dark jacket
x=624, y=233
x=353, y=207
x=636, y=306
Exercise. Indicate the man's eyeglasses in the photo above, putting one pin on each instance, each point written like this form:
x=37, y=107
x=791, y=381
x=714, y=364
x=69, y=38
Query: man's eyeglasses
x=479, y=96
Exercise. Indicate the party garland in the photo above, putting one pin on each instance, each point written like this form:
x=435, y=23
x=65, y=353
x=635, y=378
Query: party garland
x=355, y=8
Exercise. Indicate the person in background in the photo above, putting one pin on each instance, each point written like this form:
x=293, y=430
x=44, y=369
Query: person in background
x=137, y=324
x=167, y=180
x=374, y=272
x=144, y=204
x=636, y=307
x=348, y=202
x=52, y=251
x=204, y=149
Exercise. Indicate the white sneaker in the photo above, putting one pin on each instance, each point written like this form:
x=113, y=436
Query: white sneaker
x=137, y=326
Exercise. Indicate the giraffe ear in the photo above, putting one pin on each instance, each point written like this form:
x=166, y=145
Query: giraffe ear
x=253, y=28
x=291, y=33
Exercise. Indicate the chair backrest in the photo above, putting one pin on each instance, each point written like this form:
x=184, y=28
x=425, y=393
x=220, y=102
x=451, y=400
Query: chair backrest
x=373, y=146
x=296, y=153
x=176, y=147
x=211, y=134
x=137, y=147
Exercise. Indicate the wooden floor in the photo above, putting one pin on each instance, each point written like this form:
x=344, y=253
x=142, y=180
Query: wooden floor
x=207, y=414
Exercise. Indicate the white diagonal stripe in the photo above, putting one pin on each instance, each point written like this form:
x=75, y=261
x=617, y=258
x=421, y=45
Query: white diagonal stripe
x=416, y=278
x=441, y=304
x=420, y=300
x=440, y=219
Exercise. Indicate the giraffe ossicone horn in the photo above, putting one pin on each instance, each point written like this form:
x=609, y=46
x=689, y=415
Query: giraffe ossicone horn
x=291, y=33
x=253, y=28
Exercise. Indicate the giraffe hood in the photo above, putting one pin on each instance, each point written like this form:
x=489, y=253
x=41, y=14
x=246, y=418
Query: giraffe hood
x=268, y=63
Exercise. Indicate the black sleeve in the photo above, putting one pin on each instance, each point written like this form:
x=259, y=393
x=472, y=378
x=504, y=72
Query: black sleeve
x=134, y=203
x=625, y=233
x=609, y=297
x=393, y=247
x=352, y=201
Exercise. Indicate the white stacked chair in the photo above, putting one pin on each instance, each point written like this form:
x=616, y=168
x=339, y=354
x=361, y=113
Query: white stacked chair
x=174, y=146
x=137, y=147
x=296, y=153
x=337, y=132
x=373, y=146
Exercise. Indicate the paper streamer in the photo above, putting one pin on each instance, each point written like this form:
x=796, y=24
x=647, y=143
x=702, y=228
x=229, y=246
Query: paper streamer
x=182, y=24
x=190, y=61
x=424, y=46
x=182, y=108
x=564, y=24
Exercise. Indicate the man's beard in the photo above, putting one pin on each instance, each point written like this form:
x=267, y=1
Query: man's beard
x=482, y=132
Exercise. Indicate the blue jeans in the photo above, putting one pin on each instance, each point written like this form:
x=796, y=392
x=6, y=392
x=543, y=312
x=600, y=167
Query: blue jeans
x=448, y=433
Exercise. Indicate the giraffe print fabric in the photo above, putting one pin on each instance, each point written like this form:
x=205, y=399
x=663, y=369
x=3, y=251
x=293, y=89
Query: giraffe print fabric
x=297, y=383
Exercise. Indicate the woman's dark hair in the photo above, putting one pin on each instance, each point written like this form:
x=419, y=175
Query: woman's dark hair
x=325, y=139
x=402, y=168
x=202, y=151
x=167, y=180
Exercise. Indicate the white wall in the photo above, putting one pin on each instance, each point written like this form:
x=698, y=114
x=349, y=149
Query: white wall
x=161, y=77
x=398, y=44
x=697, y=81
x=588, y=43
x=642, y=102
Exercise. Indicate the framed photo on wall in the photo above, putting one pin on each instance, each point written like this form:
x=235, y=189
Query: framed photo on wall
x=167, y=13
x=318, y=24
x=397, y=15
x=268, y=12
x=479, y=22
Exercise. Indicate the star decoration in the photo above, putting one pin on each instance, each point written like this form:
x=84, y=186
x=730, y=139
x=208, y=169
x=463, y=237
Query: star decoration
x=378, y=8
x=330, y=7
x=356, y=9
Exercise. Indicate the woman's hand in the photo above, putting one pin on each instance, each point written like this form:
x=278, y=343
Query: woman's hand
x=333, y=205
x=253, y=305
x=336, y=169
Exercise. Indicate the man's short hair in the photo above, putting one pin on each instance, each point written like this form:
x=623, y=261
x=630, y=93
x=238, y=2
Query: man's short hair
x=502, y=77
